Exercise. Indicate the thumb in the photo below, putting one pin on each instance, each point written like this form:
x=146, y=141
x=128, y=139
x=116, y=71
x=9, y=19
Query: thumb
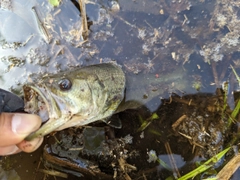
x=14, y=127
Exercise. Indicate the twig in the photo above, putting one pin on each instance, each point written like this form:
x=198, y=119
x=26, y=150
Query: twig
x=126, y=22
x=38, y=166
x=41, y=26
x=172, y=160
x=53, y=173
x=84, y=27
x=215, y=75
x=179, y=120
x=229, y=169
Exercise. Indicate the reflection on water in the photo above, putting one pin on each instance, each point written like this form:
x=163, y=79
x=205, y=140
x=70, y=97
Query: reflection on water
x=24, y=50
x=164, y=47
x=178, y=158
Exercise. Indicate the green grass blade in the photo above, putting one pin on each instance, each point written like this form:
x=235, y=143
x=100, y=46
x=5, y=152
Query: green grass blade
x=147, y=122
x=54, y=3
x=234, y=113
x=205, y=166
x=238, y=78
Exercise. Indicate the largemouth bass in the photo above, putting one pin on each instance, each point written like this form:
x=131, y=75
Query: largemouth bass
x=75, y=98
x=93, y=93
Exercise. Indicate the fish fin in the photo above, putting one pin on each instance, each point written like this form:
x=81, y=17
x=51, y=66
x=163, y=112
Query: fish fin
x=114, y=121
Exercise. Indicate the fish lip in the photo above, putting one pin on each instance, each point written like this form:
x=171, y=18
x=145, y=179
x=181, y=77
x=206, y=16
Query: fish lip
x=45, y=94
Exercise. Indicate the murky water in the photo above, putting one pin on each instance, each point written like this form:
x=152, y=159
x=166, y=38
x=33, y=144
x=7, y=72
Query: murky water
x=164, y=47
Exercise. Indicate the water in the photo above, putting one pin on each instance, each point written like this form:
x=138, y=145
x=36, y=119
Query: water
x=164, y=47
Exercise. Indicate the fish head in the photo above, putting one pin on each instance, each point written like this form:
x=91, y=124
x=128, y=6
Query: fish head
x=75, y=98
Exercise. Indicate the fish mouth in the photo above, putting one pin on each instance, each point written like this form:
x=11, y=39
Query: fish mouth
x=38, y=100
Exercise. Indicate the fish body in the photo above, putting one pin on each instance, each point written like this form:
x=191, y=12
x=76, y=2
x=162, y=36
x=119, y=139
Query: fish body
x=75, y=98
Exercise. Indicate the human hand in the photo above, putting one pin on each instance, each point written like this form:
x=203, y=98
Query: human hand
x=14, y=127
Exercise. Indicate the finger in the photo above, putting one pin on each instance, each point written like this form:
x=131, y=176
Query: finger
x=9, y=150
x=14, y=127
x=26, y=146
x=30, y=146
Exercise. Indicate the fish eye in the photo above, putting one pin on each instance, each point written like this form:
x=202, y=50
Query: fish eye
x=65, y=84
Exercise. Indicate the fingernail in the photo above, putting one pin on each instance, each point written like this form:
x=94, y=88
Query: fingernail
x=24, y=123
x=30, y=146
